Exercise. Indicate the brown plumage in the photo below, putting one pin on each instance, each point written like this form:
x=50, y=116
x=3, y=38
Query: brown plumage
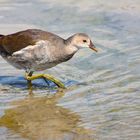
x=17, y=41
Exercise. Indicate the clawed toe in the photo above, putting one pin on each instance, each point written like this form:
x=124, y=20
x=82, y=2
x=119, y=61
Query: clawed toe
x=54, y=80
x=45, y=77
x=47, y=82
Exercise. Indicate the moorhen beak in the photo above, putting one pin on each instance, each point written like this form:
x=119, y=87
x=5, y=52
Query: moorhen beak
x=91, y=46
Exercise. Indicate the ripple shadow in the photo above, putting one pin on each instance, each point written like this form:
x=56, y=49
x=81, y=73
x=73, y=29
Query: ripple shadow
x=21, y=82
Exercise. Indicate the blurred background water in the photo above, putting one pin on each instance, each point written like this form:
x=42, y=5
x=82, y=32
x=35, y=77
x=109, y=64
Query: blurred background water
x=103, y=102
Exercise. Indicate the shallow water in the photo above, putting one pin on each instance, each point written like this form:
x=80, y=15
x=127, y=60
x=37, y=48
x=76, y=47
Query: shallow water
x=102, y=97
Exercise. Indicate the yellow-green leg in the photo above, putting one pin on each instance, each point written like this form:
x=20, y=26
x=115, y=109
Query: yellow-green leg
x=31, y=77
x=29, y=82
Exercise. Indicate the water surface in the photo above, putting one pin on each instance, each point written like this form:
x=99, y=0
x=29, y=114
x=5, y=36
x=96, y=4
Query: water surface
x=102, y=99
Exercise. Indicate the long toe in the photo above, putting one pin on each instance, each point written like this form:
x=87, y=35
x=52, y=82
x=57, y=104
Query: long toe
x=47, y=82
x=54, y=80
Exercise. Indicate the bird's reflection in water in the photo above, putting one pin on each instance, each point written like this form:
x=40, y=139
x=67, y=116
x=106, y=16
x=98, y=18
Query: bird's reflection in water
x=40, y=118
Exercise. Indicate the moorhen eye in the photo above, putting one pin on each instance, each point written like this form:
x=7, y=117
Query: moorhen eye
x=84, y=41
